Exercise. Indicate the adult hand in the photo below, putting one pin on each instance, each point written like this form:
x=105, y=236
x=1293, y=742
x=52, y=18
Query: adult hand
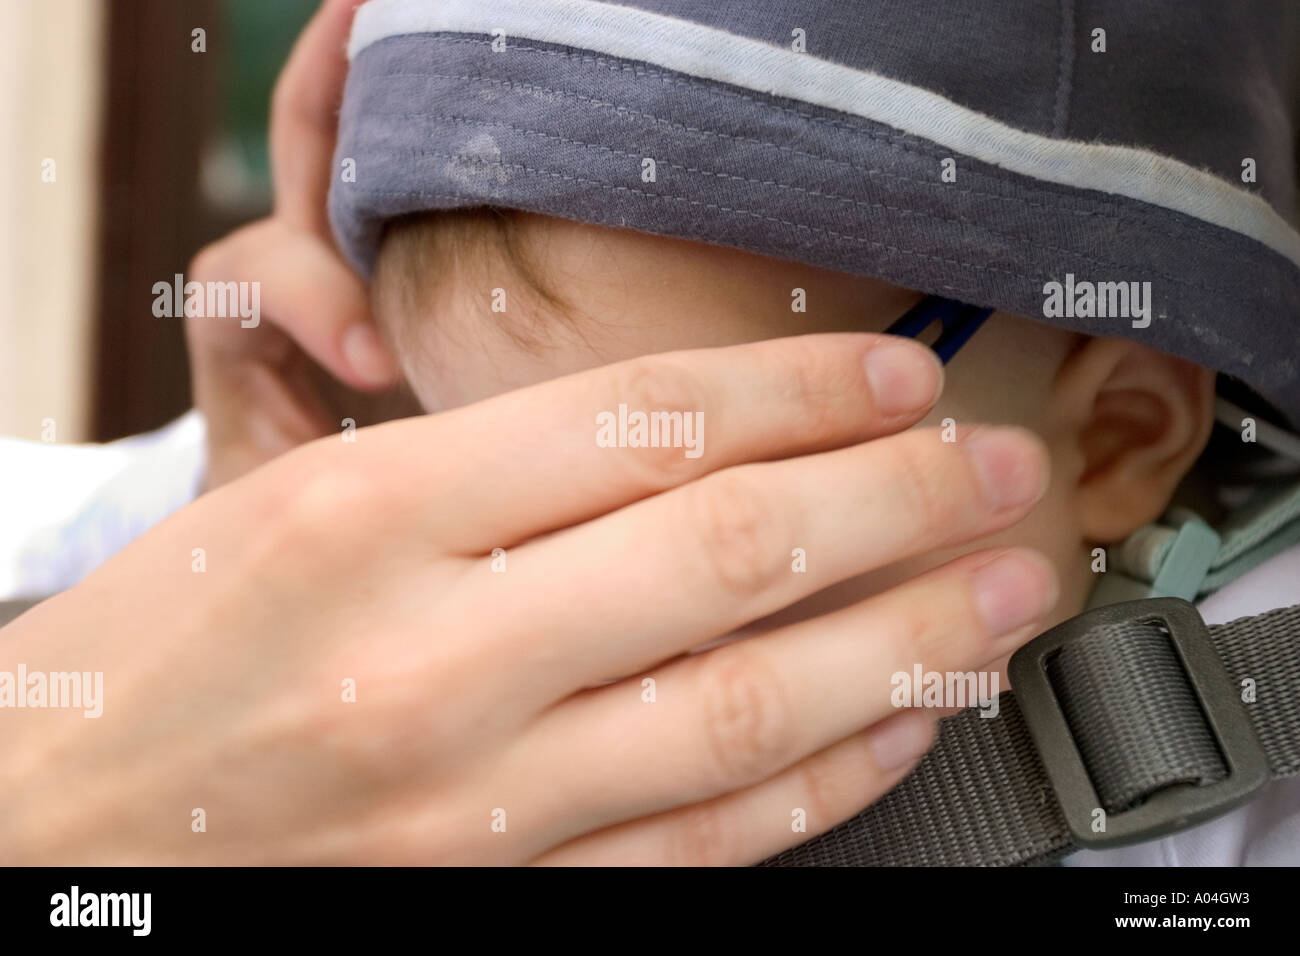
x=259, y=387
x=494, y=720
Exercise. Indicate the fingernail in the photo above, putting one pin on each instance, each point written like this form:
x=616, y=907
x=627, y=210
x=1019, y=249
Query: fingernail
x=901, y=739
x=903, y=377
x=366, y=354
x=1010, y=466
x=1012, y=590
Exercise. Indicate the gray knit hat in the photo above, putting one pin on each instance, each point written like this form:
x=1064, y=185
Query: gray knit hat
x=1110, y=166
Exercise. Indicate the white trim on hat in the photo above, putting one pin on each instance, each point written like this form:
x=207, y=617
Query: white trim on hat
x=712, y=54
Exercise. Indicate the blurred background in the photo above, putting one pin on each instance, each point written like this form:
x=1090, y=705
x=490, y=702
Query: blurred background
x=125, y=149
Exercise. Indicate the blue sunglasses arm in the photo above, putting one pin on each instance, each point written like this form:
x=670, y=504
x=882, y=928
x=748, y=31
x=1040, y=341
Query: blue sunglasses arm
x=960, y=322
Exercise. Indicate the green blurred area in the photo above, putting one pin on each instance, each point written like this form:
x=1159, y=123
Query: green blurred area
x=258, y=37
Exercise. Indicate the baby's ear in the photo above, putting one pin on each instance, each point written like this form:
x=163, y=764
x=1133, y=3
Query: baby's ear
x=1133, y=420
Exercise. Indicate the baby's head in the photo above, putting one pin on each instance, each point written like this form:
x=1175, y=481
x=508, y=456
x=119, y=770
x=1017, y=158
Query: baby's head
x=983, y=162
x=480, y=301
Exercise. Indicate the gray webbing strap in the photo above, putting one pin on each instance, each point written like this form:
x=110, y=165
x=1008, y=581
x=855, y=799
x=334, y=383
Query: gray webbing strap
x=982, y=796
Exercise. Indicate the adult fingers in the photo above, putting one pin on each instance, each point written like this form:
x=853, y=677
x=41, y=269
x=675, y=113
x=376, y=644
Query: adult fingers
x=304, y=118
x=724, y=548
x=732, y=717
x=752, y=824
x=304, y=289
x=549, y=456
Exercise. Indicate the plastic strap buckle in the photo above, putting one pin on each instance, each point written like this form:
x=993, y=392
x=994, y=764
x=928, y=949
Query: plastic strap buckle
x=1188, y=561
x=1173, y=808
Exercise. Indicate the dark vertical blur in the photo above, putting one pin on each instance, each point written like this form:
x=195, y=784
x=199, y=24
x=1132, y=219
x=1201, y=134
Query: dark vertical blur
x=184, y=161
